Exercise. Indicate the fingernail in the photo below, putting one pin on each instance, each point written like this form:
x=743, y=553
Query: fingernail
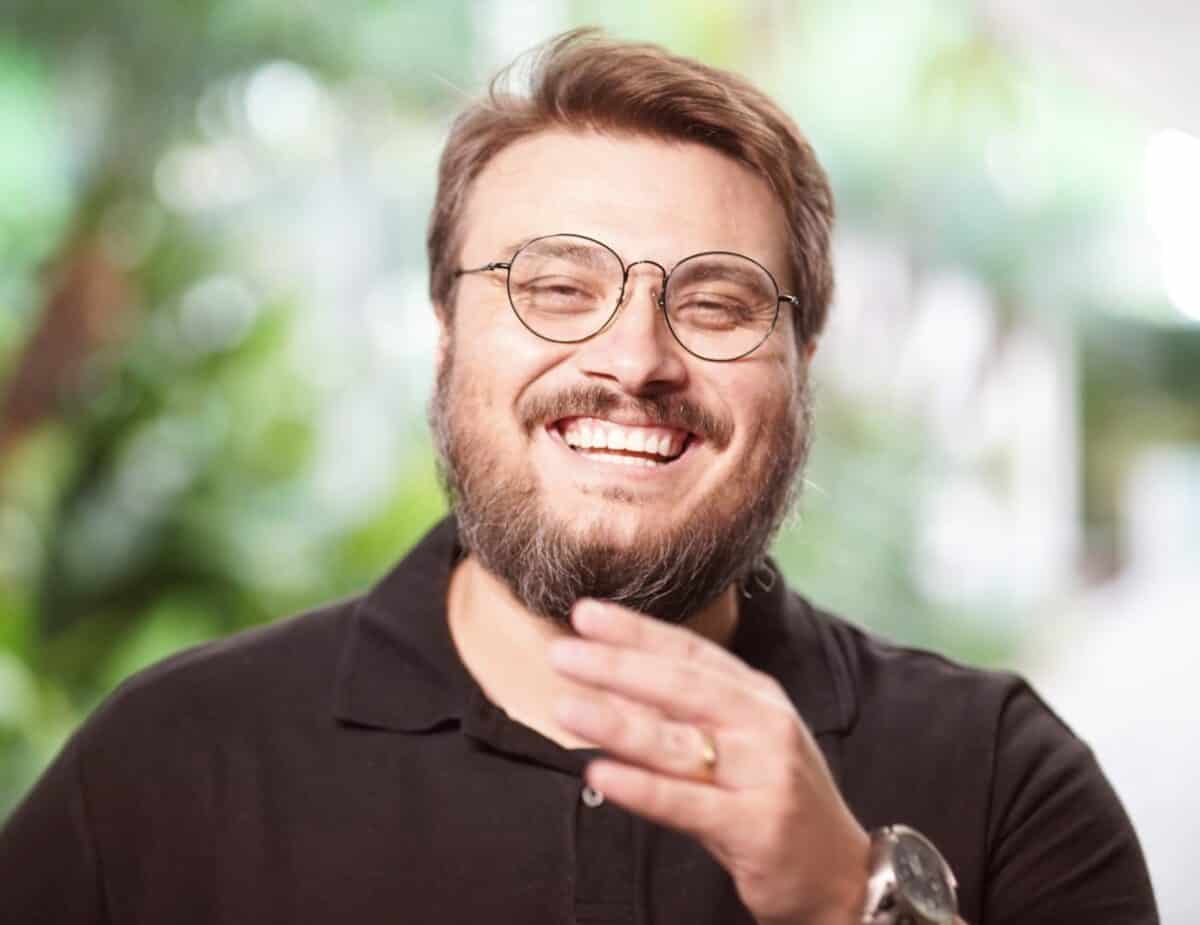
x=589, y=612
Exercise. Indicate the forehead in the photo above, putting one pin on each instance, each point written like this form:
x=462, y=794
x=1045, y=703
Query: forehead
x=646, y=198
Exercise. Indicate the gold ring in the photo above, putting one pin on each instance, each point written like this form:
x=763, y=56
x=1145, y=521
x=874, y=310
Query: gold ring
x=708, y=753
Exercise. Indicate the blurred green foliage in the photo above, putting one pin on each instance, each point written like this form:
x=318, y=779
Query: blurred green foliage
x=165, y=497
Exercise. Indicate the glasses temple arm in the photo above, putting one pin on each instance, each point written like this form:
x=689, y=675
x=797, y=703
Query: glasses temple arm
x=483, y=269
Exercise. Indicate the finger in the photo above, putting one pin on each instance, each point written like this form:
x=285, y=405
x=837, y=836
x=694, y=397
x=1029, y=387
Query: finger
x=642, y=736
x=612, y=623
x=684, y=805
x=683, y=690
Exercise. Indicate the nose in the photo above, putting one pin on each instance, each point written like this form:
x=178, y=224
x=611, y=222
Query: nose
x=637, y=350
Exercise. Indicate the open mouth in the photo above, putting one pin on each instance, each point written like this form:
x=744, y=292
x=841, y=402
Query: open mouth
x=650, y=447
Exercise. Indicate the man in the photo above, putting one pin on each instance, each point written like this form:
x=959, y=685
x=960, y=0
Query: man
x=588, y=698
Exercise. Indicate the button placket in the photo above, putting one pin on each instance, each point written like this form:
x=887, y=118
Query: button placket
x=604, y=859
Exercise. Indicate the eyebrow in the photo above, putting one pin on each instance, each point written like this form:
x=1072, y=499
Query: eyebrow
x=596, y=254
x=702, y=273
x=703, y=270
x=512, y=249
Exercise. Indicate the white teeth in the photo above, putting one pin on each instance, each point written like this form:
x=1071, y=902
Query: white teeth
x=590, y=434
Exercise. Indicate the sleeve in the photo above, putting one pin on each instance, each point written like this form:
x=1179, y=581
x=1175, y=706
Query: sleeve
x=1061, y=848
x=49, y=866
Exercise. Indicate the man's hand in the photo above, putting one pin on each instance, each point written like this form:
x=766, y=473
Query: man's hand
x=767, y=810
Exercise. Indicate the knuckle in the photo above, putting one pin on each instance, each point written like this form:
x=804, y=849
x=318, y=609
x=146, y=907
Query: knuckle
x=768, y=688
x=695, y=647
x=775, y=689
x=783, y=729
x=786, y=722
x=708, y=700
x=685, y=677
x=674, y=740
x=640, y=736
x=792, y=732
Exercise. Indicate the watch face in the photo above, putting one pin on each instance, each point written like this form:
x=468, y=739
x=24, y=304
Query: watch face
x=921, y=880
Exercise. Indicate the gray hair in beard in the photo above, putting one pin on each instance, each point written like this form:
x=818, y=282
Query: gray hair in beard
x=549, y=565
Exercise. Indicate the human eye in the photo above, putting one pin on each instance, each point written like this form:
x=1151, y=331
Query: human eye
x=713, y=310
x=559, y=293
x=564, y=287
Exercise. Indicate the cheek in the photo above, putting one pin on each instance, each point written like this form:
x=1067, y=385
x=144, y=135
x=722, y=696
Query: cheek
x=499, y=363
x=767, y=412
x=758, y=394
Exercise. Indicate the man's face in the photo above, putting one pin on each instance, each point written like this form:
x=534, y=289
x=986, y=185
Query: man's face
x=515, y=414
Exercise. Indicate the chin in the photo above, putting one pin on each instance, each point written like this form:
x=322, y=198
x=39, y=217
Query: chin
x=611, y=517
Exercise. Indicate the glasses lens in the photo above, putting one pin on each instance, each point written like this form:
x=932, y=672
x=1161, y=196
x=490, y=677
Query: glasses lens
x=721, y=306
x=564, y=287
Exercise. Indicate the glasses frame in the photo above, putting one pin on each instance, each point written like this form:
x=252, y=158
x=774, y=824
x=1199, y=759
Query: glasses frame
x=506, y=266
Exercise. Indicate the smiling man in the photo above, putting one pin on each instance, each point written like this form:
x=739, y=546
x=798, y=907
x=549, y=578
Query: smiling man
x=645, y=439
x=587, y=696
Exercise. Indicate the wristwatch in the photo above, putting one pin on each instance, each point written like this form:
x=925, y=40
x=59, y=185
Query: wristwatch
x=908, y=883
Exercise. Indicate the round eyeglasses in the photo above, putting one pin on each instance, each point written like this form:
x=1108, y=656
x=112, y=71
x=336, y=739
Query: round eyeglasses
x=567, y=288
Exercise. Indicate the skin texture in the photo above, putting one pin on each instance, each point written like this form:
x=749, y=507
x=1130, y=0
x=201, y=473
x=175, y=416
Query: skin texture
x=638, y=686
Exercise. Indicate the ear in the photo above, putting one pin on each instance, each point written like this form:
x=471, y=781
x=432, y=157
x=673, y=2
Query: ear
x=810, y=349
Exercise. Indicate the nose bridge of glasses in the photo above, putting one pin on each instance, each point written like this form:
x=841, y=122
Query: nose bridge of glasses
x=658, y=294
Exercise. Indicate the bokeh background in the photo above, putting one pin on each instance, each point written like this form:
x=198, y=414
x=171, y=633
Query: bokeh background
x=216, y=343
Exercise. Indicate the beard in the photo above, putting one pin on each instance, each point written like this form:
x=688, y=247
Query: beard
x=670, y=573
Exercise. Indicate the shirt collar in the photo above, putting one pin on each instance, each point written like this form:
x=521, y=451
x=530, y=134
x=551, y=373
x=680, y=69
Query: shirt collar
x=780, y=634
x=399, y=669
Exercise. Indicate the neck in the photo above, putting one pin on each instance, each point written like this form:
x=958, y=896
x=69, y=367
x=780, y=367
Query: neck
x=505, y=646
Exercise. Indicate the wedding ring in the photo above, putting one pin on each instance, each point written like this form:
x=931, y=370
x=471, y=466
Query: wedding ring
x=708, y=753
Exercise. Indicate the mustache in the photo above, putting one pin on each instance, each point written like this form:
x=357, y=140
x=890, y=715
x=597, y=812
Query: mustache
x=595, y=401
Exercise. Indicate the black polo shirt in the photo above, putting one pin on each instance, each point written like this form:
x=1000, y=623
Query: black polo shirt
x=343, y=766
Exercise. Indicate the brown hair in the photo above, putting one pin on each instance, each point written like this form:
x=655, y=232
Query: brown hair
x=581, y=79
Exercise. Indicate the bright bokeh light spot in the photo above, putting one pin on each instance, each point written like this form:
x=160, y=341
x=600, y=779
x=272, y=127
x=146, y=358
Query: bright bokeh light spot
x=156, y=467
x=217, y=313
x=950, y=337
x=282, y=101
x=200, y=177
x=1173, y=211
x=400, y=319
x=1181, y=277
